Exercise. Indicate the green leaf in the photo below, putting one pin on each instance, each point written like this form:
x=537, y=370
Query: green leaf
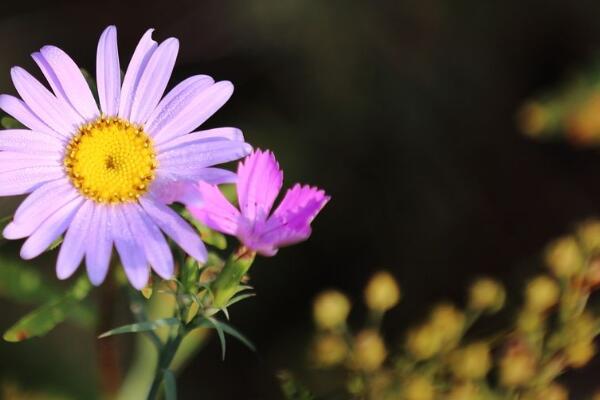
x=220, y=333
x=10, y=123
x=45, y=318
x=208, y=235
x=222, y=327
x=240, y=297
x=141, y=327
x=170, y=385
x=230, y=330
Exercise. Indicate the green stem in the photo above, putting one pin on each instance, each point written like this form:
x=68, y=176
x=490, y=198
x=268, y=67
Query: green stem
x=164, y=361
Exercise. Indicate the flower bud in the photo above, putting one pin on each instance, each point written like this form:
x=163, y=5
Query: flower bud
x=533, y=119
x=450, y=323
x=369, y=351
x=579, y=353
x=424, y=341
x=419, y=388
x=592, y=274
x=554, y=391
x=589, y=234
x=471, y=362
x=465, y=391
x=517, y=367
x=529, y=321
x=541, y=293
x=486, y=294
x=581, y=328
x=329, y=349
x=382, y=292
x=564, y=257
x=330, y=309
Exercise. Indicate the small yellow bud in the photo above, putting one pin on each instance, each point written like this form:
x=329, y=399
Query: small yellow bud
x=471, y=362
x=382, y=292
x=369, y=351
x=517, y=367
x=554, y=391
x=563, y=257
x=424, y=341
x=581, y=328
x=589, y=234
x=330, y=309
x=541, y=293
x=419, y=388
x=533, y=119
x=592, y=274
x=583, y=122
x=465, y=391
x=486, y=294
x=329, y=349
x=580, y=353
x=450, y=323
x=529, y=321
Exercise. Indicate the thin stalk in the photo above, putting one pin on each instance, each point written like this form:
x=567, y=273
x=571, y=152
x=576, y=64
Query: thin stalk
x=164, y=361
x=109, y=366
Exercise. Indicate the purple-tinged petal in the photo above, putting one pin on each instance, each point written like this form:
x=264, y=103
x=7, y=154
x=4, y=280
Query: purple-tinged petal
x=21, y=112
x=175, y=227
x=189, y=110
x=154, y=80
x=167, y=190
x=73, y=246
x=155, y=246
x=38, y=207
x=214, y=176
x=135, y=69
x=48, y=192
x=259, y=183
x=26, y=141
x=172, y=103
x=50, y=229
x=108, y=72
x=131, y=252
x=99, y=245
x=67, y=81
x=27, y=179
x=202, y=153
x=216, y=134
x=215, y=210
x=10, y=160
x=48, y=108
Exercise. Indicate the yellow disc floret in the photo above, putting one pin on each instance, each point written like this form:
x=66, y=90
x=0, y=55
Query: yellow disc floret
x=111, y=161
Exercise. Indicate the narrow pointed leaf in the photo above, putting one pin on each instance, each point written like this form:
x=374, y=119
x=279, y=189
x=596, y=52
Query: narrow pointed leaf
x=45, y=318
x=141, y=327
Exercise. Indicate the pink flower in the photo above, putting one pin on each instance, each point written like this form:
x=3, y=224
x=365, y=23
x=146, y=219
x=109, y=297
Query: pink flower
x=259, y=183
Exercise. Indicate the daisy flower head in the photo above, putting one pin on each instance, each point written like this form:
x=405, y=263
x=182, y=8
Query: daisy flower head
x=259, y=182
x=105, y=173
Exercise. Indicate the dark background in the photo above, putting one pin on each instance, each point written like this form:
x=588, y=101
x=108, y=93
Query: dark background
x=403, y=111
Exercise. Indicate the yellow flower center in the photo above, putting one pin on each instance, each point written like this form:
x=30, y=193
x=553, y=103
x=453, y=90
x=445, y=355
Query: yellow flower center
x=111, y=161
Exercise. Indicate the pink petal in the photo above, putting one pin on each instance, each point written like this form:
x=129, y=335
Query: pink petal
x=259, y=183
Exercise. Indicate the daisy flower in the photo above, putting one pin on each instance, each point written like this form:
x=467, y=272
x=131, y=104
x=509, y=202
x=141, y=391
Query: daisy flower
x=259, y=182
x=104, y=173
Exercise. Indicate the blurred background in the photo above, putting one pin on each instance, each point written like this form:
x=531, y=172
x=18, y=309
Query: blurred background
x=405, y=112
